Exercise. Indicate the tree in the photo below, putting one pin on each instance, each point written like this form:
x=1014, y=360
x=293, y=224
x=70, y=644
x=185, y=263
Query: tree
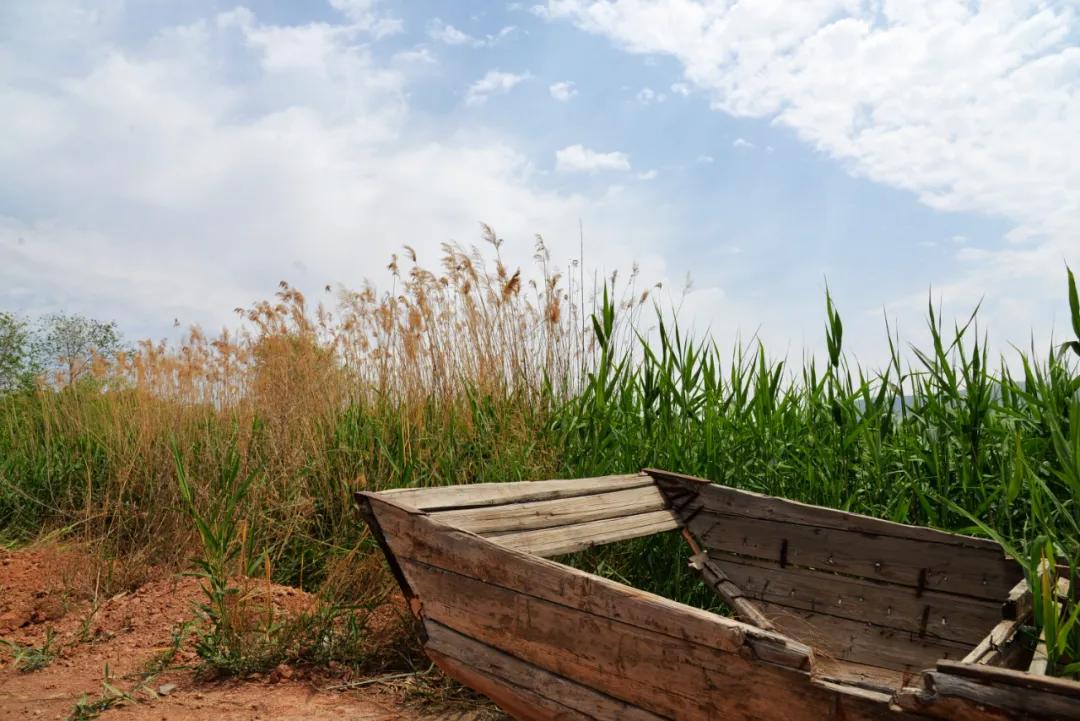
x=17, y=368
x=69, y=343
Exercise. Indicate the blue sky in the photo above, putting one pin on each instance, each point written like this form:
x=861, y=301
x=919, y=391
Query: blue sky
x=175, y=160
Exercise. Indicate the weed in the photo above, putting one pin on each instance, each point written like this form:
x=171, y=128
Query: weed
x=34, y=658
x=87, y=709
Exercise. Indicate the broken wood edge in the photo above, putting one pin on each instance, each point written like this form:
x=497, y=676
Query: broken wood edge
x=882, y=526
x=989, y=650
x=732, y=595
x=1018, y=604
x=1012, y=677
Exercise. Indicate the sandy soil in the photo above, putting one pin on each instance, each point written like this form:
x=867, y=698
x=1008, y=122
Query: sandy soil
x=40, y=590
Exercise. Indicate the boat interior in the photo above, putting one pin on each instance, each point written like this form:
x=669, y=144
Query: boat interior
x=876, y=601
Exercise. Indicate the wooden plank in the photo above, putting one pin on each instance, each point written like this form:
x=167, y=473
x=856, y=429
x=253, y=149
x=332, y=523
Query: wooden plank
x=904, y=562
x=558, y=512
x=493, y=494
x=556, y=541
x=1017, y=605
x=960, y=698
x=1012, y=677
x=732, y=501
x=933, y=614
x=1040, y=659
x=863, y=642
x=990, y=649
x=562, y=694
x=665, y=676
x=520, y=702
x=415, y=536
x=860, y=675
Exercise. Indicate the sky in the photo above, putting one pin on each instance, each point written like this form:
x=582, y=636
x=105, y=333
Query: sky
x=168, y=162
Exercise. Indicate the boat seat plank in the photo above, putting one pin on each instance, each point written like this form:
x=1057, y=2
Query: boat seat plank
x=493, y=494
x=931, y=613
x=533, y=515
x=547, y=542
x=554, y=694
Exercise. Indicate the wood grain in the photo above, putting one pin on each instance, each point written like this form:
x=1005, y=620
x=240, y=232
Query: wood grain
x=547, y=542
x=530, y=516
x=548, y=689
x=493, y=494
x=863, y=642
x=903, y=562
x=948, y=617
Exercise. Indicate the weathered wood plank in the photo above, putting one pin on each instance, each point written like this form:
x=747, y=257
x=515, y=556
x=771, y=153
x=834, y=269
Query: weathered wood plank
x=493, y=494
x=1012, y=677
x=959, y=696
x=521, y=702
x=732, y=501
x=863, y=642
x=989, y=649
x=556, y=541
x=934, y=614
x=914, y=564
x=1017, y=605
x=860, y=675
x=564, y=693
x=559, y=512
x=672, y=678
x=416, y=536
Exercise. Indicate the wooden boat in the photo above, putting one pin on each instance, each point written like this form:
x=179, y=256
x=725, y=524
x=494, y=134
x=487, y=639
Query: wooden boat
x=841, y=616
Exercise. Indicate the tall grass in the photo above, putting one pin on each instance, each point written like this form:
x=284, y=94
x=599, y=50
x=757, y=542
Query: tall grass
x=475, y=372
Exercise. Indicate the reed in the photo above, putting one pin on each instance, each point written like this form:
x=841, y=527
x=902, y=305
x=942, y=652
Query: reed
x=477, y=372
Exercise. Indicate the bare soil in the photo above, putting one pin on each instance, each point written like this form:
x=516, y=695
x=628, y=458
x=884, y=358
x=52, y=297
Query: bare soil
x=114, y=639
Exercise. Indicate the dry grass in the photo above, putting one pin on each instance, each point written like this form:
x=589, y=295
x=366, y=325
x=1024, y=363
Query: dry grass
x=444, y=377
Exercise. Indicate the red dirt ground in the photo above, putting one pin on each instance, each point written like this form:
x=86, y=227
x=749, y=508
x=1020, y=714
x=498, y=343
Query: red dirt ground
x=37, y=592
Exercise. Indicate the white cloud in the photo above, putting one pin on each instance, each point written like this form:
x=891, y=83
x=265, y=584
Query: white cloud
x=680, y=89
x=563, y=91
x=184, y=173
x=450, y=35
x=365, y=15
x=647, y=96
x=742, y=143
x=704, y=159
x=495, y=82
x=579, y=159
x=973, y=106
x=647, y=174
x=446, y=33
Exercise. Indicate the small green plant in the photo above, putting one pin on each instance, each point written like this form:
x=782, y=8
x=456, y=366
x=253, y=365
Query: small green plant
x=34, y=658
x=225, y=643
x=87, y=709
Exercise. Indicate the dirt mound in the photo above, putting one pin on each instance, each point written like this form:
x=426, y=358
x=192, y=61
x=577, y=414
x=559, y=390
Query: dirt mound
x=131, y=655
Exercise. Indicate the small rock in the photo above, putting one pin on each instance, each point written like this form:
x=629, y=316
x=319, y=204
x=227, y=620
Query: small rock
x=166, y=688
x=282, y=672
